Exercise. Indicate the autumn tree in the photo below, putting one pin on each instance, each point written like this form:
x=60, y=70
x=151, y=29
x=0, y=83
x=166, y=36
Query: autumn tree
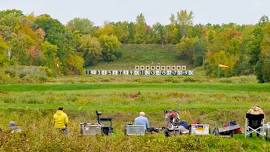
x=106, y=29
x=58, y=35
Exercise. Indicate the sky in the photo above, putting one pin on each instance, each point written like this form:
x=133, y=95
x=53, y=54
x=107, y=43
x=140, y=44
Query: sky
x=100, y=11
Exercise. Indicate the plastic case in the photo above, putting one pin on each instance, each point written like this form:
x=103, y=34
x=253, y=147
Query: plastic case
x=267, y=131
x=135, y=130
x=200, y=129
x=90, y=129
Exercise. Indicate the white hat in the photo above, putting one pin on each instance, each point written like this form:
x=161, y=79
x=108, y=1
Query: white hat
x=142, y=114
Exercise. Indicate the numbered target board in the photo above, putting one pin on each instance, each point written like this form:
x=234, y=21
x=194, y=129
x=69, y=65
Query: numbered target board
x=146, y=70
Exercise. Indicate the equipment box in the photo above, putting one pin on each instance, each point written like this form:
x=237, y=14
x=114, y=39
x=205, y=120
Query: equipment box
x=135, y=130
x=90, y=129
x=200, y=129
x=267, y=131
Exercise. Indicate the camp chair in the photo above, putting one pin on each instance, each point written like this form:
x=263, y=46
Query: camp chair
x=254, y=124
x=106, y=124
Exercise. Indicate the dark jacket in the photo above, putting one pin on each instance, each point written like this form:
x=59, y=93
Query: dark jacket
x=254, y=121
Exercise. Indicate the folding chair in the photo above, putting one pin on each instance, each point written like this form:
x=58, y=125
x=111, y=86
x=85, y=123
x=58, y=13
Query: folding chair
x=254, y=126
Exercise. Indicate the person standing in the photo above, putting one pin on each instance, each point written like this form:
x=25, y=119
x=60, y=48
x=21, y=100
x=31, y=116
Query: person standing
x=61, y=120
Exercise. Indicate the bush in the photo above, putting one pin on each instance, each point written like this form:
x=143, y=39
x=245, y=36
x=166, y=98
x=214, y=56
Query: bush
x=10, y=72
x=15, y=74
x=262, y=70
x=75, y=64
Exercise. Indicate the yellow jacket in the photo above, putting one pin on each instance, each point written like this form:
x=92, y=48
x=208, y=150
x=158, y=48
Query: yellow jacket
x=60, y=119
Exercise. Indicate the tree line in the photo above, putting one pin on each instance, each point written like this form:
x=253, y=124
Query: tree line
x=66, y=49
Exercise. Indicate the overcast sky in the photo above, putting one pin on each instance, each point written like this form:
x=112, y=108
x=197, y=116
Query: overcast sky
x=98, y=11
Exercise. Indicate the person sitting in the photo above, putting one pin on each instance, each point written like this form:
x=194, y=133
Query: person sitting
x=172, y=118
x=61, y=120
x=255, y=115
x=142, y=120
x=13, y=127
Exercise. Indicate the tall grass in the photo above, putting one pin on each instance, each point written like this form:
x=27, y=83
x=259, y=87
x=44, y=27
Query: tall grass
x=152, y=79
x=32, y=107
x=38, y=135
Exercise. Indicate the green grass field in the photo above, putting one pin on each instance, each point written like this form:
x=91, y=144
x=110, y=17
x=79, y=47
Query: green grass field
x=215, y=103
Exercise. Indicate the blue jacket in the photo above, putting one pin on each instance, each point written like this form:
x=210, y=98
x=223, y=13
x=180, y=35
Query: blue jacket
x=142, y=121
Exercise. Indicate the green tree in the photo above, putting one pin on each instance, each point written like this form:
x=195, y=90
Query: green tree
x=10, y=22
x=185, y=21
x=186, y=48
x=159, y=34
x=75, y=64
x=259, y=50
x=131, y=32
x=171, y=31
x=3, y=52
x=171, y=34
x=106, y=29
x=192, y=50
x=20, y=49
x=255, y=49
x=121, y=31
x=227, y=38
x=263, y=65
x=81, y=25
x=91, y=50
x=58, y=35
x=110, y=46
x=140, y=30
x=18, y=33
x=50, y=58
x=212, y=64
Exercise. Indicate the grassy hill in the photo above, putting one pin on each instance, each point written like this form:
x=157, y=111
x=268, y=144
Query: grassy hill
x=143, y=54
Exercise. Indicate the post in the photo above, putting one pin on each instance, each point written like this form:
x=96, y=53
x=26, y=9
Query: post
x=218, y=72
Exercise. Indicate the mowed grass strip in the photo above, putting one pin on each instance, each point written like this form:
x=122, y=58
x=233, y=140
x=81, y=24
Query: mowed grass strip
x=125, y=107
x=201, y=87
